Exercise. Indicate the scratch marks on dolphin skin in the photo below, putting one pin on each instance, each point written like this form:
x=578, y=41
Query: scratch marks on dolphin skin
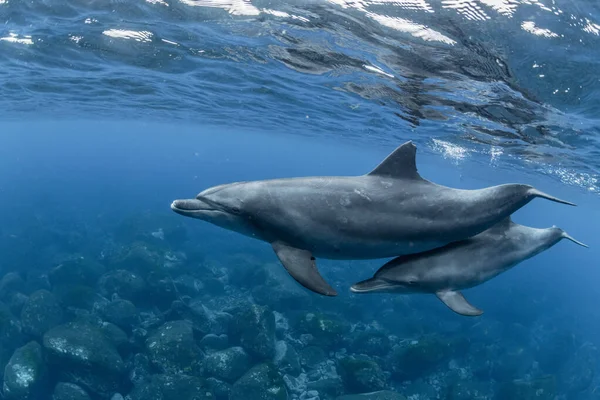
x=362, y=194
x=345, y=201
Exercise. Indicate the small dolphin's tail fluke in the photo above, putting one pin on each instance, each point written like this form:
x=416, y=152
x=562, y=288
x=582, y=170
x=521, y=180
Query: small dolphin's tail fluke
x=538, y=193
x=371, y=285
x=572, y=239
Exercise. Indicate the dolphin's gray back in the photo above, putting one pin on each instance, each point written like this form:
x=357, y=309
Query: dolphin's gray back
x=365, y=216
x=470, y=262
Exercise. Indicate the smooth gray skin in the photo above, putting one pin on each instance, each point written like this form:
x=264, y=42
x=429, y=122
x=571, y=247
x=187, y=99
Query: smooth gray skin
x=389, y=212
x=461, y=265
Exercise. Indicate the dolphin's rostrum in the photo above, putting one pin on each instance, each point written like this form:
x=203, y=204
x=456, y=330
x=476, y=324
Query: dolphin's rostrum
x=461, y=265
x=388, y=212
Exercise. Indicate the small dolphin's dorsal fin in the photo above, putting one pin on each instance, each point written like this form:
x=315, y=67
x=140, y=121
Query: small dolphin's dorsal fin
x=457, y=303
x=301, y=265
x=401, y=163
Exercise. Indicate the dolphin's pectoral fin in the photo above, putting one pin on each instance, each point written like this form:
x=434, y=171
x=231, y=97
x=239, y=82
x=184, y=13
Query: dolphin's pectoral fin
x=401, y=163
x=301, y=265
x=457, y=303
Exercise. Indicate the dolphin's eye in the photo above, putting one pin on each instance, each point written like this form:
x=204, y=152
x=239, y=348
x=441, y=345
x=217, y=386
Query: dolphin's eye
x=235, y=210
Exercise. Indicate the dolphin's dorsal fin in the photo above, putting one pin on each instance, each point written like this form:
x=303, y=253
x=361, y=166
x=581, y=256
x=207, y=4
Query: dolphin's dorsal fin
x=401, y=163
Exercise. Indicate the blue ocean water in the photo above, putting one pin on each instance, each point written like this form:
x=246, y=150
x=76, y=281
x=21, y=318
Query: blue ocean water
x=111, y=110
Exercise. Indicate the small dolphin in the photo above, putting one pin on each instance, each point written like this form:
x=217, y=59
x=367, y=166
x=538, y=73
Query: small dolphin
x=461, y=265
x=388, y=212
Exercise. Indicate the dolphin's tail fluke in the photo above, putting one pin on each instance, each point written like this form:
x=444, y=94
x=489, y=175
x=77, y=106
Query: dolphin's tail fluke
x=572, y=239
x=537, y=193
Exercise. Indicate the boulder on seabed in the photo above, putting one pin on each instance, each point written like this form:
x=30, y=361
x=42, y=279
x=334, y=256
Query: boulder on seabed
x=361, y=375
x=227, y=365
x=125, y=284
x=170, y=387
x=41, y=313
x=261, y=382
x=80, y=353
x=381, y=395
x=542, y=388
x=173, y=350
x=25, y=373
x=69, y=391
x=76, y=271
x=254, y=326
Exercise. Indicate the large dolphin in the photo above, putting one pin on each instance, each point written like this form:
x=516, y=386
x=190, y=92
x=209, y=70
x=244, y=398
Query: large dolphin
x=386, y=213
x=461, y=265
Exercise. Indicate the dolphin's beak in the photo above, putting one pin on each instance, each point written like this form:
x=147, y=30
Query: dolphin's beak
x=190, y=207
x=372, y=285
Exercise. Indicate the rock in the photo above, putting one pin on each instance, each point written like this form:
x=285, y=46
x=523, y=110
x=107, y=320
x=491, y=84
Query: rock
x=361, y=375
x=204, y=320
x=141, y=368
x=116, y=335
x=419, y=357
x=146, y=390
x=161, y=288
x=470, y=390
x=10, y=335
x=36, y=280
x=77, y=271
x=543, y=388
x=214, y=342
x=327, y=330
x=282, y=325
x=261, y=382
x=278, y=291
x=81, y=354
x=554, y=350
x=328, y=388
x=381, y=395
x=227, y=365
x=25, y=373
x=172, y=349
x=69, y=391
x=170, y=387
x=372, y=343
x=188, y=285
x=139, y=258
x=77, y=296
x=482, y=360
x=121, y=313
x=125, y=284
x=221, y=390
x=580, y=370
x=10, y=284
x=511, y=363
x=311, y=356
x=254, y=325
x=213, y=286
x=17, y=302
x=296, y=385
x=182, y=387
x=40, y=313
x=286, y=358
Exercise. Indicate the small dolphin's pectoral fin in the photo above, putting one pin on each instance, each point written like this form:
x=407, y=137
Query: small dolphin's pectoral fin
x=301, y=265
x=401, y=163
x=457, y=303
